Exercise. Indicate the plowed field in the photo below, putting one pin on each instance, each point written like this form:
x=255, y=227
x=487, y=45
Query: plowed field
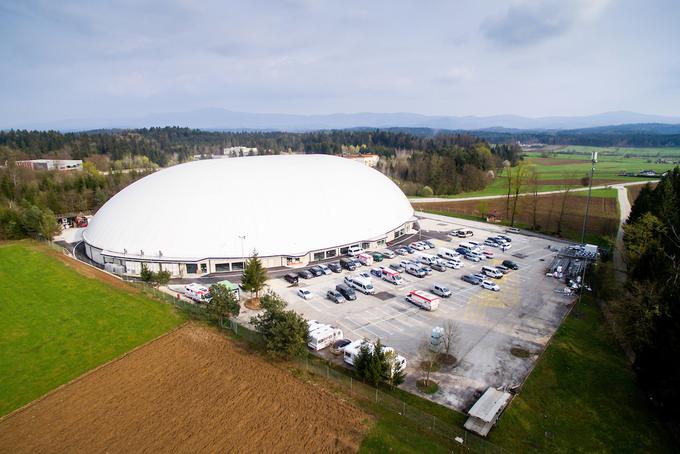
x=190, y=391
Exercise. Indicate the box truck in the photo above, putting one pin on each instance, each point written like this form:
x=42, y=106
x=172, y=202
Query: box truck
x=423, y=299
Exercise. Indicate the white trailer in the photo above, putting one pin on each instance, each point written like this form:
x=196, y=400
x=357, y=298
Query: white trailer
x=323, y=337
x=351, y=351
x=423, y=299
x=197, y=292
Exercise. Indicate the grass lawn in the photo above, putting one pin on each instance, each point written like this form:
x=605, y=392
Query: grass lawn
x=581, y=397
x=56, y=324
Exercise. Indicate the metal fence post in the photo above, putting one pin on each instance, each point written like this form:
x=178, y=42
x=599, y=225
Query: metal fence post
x=376, y=395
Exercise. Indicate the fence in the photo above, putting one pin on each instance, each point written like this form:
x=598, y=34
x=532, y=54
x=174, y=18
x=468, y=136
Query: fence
x=347, y=384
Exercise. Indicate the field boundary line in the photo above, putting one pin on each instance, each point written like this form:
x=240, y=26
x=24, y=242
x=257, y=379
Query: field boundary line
x=90, y=372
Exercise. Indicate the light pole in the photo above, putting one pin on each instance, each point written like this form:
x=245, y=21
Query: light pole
x=242, y=240
x=593, y=161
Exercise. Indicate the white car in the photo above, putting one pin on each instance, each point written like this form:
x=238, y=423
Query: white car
x=366, y=275
x=388, y=253
x=405, y=263
x=452, y=264
x=505, y=247
x=417, y=246
x=325, y=269
x=490, y=286
x=305, y=294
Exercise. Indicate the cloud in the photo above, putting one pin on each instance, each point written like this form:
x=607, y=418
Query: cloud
x=528, y=22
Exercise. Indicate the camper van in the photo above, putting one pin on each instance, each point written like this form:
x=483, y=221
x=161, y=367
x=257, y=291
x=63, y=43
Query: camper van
x=351, y=351
x=392, y=276
x=323, y=336
x=197, y=292
x=365, y=259
x=423, y=299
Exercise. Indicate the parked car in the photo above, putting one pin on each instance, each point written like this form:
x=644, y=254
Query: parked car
x=490, y=242
x=512, y=230
x=388, y=253
x=510, y=264
x=453, y=264
x=348, y=264
x=305, y=274
x=396, y=267
x=470, y=279
x=410, y=250
x=366, y=275
x=505, y=247
x=291, y=278
x=491, y=286
x=503, y=269
x=305, y=294
x=325, y=268
x=505, y=237
x=464, y=233
x=417, y=246
x=441, y=290
x=429, y=244
x=401, y=251
x=353, y=251
x=377, y=272
x=346, y=291
x=406, y=263
x=488, y=254
x=438, y=266
x=427, y=269
x=316, y=271
x=479, y=276
x=335, y=296
x=357, y=263
x=472, y=257
x=335, y=267
x=377, y=256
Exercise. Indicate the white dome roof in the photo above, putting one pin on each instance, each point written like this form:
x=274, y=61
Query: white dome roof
x=284, y=205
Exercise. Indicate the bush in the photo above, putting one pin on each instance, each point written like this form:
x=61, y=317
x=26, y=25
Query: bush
x=426, y=191
x=285, y=332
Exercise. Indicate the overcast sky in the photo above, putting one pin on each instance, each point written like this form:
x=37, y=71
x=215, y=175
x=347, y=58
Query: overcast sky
x=83, y=59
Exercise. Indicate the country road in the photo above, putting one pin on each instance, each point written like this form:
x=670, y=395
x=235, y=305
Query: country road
x=624, y=212
x=502, y=196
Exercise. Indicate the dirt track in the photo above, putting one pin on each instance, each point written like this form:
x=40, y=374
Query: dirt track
x=190, y=391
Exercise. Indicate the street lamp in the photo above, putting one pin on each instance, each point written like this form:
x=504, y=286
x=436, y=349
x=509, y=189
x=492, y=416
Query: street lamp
x=242, y=240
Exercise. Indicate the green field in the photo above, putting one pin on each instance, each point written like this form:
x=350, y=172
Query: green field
x=581, y=397
x=56, y=324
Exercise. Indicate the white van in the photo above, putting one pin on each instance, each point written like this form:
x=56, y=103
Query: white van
x=323, y=336
x=492, y=272
x=392, y=276
x=476, y=245
x=353, y=251
x=427, y=259
x=361, y=284
x=415, y=270
x=365, y=259
x=448, y=254
x=441, y=290
x=197, y=292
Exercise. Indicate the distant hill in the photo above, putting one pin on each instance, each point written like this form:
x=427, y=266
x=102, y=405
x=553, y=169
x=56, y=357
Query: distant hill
x=227, y=120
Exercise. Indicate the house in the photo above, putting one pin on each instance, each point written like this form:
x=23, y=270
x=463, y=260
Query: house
x=485, y=412
x=52, y=164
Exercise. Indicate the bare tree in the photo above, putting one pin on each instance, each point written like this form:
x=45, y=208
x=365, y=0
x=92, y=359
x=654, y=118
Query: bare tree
x=517, y=183
x=533, y=180
x=508, y=180
x=450, y=338
x=428, y=355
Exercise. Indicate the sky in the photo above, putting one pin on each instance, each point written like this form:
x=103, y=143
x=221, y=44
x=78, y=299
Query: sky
x=62, y=59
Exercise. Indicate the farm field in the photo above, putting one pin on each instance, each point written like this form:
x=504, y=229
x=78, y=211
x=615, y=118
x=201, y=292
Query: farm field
x=60, y=318
x=582, y=397
x=602, y=218
x=192, y=390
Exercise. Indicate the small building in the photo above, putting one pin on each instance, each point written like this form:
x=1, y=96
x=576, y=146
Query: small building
x=52, y=164
x=236, y=152
x=648, y=173
x=370, y=160
x=485, y=412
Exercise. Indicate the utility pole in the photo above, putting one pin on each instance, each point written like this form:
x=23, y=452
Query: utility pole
x=593, y=161
x=242, y=237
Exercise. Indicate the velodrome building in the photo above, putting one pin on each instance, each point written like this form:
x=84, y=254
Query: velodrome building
x=208, y=216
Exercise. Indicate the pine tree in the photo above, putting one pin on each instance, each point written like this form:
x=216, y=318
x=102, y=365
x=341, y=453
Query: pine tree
x=254, y=275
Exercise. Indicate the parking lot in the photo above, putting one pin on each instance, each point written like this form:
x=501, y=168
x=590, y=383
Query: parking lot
x=524, y=314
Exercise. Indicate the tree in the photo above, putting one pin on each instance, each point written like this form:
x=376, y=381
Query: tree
x=533, y=180
x=426, y=191
x=428, y=355
x=566, y=186
x=394, y=373
x=254, y=275
x=223, y=303
x=285, y=332
x=508, y=182
x=162, y=277
x=146, y=275
x=450, y=338
x=518, y=183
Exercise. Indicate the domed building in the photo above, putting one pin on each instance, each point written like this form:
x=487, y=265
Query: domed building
x=208, y=216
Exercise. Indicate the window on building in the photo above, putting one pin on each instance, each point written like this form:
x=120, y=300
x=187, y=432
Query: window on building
x=192, y=268
x=293, y=260
x=331, y=253
x=108, y=259
x=204, y=267
x=318, y=256
x=344, y=250
x=382, y=242
x=219, y=267
x=237, y=266
x=365, y=245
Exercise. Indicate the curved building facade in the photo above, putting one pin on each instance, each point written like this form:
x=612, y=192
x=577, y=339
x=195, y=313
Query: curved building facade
x=208, y=216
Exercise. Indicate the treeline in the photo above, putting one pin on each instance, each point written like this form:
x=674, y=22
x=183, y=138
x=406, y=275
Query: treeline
x=650, y=317
x=444, y=163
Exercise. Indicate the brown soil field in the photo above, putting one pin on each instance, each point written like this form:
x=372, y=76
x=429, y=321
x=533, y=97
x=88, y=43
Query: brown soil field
x=190, y=391
x=602, y=217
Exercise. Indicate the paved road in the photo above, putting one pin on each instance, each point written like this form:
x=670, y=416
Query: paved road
x=624, y=210
x=502, y=196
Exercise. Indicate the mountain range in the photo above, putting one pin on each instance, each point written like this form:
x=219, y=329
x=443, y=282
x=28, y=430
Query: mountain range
x=223, y=119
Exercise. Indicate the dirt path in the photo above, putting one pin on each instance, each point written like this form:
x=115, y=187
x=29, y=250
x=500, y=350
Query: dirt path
x=624, y=210
x=190, y=391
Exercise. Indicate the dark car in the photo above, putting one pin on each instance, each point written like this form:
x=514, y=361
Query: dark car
x=342, y=343
x=348, y=264
x=334, y=267
x=316, y=271
x=438, y=266
x=429, y=243
x=401, y=251
x=335, y=296
x=377, y=257
x=409, y=249
x=510, y=264
x=505, y=237
x=291, y=278
x=377, y=272
x=346, y=291
x=503, y=269
x=305, y=274
x=396, y=267
x=470, y=279
x=357, y=263
x=462, y=250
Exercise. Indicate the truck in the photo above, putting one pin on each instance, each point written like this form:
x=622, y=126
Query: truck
x=424, y=300
x=365, y=259
x=197, y=292
x=322, y=336
x=392, y=276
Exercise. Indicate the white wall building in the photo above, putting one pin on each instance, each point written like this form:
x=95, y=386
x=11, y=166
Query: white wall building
x=52, y=164
x=208, y=216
